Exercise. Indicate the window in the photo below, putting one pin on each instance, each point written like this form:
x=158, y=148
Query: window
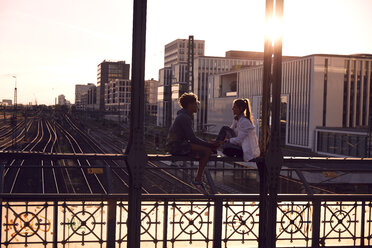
x=352, y=92
x=325, y=92
x=365, y=89
x=346, y=81
x=358, y=92
x=228, y=85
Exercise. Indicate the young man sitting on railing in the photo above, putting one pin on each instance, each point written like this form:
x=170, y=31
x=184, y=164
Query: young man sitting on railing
x=182, y=141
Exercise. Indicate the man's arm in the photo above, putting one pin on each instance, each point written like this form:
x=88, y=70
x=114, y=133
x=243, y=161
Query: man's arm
x=186, y=126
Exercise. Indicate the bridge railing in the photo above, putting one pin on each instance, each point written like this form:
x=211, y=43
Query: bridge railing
x=184, y=220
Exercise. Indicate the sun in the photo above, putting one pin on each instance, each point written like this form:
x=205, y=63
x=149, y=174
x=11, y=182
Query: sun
x=274, y=29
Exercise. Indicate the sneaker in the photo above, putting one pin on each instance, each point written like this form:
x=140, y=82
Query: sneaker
x=199, y=186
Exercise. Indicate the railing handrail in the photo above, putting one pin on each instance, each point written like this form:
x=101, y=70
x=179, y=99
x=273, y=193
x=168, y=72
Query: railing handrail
x=154, y=157
x=191, y=197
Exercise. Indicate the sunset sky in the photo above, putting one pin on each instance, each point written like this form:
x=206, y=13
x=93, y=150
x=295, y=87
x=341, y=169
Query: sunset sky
x=52, y=45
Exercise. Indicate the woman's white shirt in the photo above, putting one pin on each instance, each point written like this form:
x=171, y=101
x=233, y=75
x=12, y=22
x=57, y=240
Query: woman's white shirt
x=245, y=137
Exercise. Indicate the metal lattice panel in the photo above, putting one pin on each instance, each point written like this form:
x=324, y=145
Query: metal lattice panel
x=27, y=224
x=240, y=225
x=294, y=223
x=190, y=224
x=152, y=214
x=167, y=222
x=83, y=223
x=341, y=223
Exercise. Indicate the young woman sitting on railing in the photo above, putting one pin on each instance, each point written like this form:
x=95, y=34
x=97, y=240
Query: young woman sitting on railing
x=240, y=138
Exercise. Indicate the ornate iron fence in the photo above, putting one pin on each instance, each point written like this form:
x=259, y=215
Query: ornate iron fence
x=185, y=221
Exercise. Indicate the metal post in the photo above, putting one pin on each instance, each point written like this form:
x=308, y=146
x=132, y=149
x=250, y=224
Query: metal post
x=274, y=156
x=270, y=146
x=165, y=224
x=217, y=228
x=210, y=181
x=264, y=132
x=55, y=225
x=111, y=223
x=263, y=204
x=190, y=64
x=362, y=224
x=168, y=98
x=136, y=156
x=316, y=223
x=2, y=178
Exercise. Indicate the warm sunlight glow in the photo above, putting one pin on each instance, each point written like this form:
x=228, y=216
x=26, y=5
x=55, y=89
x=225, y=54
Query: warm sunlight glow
x=274, y=29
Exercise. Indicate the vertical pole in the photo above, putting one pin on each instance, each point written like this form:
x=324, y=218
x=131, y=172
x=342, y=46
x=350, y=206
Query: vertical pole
x=111, y=223
x=190, y=65
x=55, y=225
x=165, y=224
x=136, y=156
x=264, y=132
x=2, y=178
x=274, y=157
x=210, y=181
x=277, y=76
x=168, y=98
x=262, y=204
x=362, y=224
x=316, y=223
x=217, y=228
x=1, y=200
x=270, y=146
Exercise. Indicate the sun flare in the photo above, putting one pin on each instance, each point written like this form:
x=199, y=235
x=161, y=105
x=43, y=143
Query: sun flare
x=274, y=28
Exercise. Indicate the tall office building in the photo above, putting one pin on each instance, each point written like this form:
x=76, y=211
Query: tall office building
x=109, y=71
x=172, y=78
x=164, y=97
x=151, y=97
x=177, y=50
x=80, y=90
x=118, y=98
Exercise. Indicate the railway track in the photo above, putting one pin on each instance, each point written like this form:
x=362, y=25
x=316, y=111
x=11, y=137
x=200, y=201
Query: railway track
x=48, y=133
x=70, y=176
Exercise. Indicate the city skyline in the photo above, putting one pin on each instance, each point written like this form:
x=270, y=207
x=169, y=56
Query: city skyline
x=51, y=47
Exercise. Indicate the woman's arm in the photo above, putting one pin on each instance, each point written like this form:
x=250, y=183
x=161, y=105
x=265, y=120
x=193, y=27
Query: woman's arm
x=242, y=129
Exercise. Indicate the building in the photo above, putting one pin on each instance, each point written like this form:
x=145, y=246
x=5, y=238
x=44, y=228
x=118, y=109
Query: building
x=7, y=102
x=61, y=100
x=326, y=102
x=151, y=97
x=92, y=98
x=177, y=51
x=80, y=90
x=207, y=65
x=108, y=71
x=164, y=116
x=118, y=93
x=175, y=75
x=118, y=100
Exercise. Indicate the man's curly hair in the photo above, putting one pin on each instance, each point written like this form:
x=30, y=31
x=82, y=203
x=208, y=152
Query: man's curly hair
x=186, y=99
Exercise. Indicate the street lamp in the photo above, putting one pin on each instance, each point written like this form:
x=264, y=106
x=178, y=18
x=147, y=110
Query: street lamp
x=14, y=119
x=15, y=93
